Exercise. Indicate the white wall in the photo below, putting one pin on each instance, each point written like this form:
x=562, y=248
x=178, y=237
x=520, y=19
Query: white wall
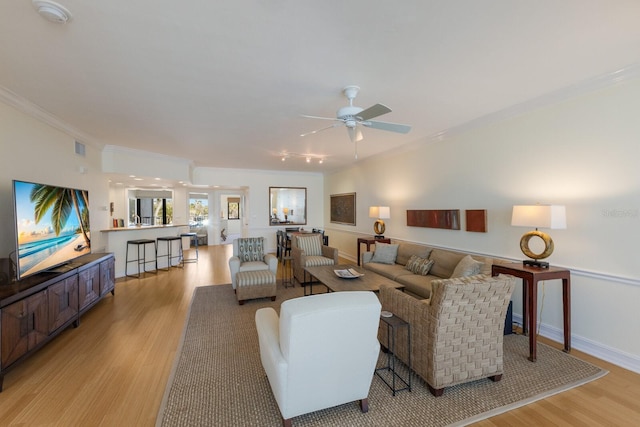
x=582, y=153
x=255, y=184
x=33, y=151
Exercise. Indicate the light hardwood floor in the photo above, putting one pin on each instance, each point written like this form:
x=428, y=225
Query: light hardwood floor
x=112, y=369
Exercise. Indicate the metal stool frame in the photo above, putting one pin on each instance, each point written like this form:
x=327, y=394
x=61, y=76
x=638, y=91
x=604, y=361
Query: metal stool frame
x=193, y=237
x=141, y=261
x=169, y=255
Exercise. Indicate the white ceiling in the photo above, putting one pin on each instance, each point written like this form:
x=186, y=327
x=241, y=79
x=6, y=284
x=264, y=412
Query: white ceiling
x=223, y=83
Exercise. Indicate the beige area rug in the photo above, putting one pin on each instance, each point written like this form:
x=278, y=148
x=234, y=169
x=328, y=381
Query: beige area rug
x=218, y=379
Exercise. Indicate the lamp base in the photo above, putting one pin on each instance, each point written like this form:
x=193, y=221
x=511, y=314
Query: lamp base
x=535, y=263
x=378, y=236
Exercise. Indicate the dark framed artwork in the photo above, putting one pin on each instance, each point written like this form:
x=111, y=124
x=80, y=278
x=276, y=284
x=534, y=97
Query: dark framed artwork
x=343, y=208
x=233, y=209
x=439, y=218
x=476, y=220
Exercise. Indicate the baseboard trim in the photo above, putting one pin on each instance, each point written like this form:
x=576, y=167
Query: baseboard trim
x=590, y=347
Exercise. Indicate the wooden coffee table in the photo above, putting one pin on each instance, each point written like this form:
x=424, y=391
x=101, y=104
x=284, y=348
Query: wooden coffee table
x=369, y=282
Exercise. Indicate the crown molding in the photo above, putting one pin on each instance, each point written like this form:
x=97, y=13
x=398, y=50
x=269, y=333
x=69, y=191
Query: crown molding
x=555, y=97
x=145, y=154
x=24, y=105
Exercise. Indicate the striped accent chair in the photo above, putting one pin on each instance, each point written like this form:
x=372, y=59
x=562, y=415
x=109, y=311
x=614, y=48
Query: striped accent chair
x=249, y=255
x=309, y=251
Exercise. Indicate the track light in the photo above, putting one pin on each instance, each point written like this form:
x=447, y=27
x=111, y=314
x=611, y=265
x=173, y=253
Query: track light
x=306, y=156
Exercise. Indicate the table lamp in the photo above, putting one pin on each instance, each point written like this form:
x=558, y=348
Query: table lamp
x=538, y=216
x=285, y=211
x=379, y=212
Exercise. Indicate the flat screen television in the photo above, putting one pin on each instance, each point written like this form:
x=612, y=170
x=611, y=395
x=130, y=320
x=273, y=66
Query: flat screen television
x=52, y=226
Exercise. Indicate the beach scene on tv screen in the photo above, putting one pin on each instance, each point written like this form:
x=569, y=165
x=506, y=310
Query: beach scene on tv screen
x=52, y=226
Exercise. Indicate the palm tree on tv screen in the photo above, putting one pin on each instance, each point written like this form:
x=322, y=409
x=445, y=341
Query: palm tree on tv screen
x=60, y=201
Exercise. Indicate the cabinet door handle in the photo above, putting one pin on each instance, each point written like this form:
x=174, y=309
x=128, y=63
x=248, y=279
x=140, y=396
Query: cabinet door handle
x=31, y=321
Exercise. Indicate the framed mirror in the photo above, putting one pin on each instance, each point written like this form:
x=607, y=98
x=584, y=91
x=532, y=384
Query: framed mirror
x=287, y=206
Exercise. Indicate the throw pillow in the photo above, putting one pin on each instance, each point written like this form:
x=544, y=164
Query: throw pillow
x=310, y=245
x=385, y=253
x=418, y=265
x=467, y=267
x=251, y=249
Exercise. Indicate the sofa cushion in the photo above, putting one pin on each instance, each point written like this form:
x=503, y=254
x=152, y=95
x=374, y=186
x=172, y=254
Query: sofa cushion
x=444, y=262
x=487, y=262
x=310, y=245
x=419, y=265
x=390, y=271
x=467, y=267
x=406, y=250
x=385, y=253
x=419, y=286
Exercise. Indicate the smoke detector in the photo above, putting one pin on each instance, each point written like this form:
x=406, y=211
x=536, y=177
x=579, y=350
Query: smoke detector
x=52, y=11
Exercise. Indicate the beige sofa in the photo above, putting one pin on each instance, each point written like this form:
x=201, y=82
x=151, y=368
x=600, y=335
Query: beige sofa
x=419, y=286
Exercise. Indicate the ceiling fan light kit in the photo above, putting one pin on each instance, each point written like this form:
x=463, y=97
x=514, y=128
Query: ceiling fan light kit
x=354, y=117
x=52, y=11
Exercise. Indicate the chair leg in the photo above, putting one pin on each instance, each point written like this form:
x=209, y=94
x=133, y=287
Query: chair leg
x=364, y=405
x=286, y=423
x=436, y=392
x=496, y=378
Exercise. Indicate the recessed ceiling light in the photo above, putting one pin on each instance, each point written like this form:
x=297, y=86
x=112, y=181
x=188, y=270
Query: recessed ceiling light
x=52, y=11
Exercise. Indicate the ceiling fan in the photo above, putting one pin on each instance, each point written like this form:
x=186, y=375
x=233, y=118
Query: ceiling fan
x=353, y=118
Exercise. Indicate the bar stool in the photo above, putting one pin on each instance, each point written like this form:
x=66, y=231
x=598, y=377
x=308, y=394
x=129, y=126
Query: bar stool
x=169, y=255
x=141, y=261
x=194, y=239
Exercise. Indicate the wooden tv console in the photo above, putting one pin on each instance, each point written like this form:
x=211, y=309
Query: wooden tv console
x=35, y=310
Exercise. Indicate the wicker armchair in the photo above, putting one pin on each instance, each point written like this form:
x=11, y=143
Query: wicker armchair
x=456, y=335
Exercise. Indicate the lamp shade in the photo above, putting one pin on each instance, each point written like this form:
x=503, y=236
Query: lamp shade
x=539, y=216
x=381, y=212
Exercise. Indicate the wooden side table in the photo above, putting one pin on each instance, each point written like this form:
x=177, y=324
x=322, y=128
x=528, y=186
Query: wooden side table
x=369, y=241
x=530, y=277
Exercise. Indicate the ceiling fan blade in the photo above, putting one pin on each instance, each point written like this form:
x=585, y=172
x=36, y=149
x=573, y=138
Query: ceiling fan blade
x=393, y=127
x=321, y=118
x=373, y=111
x=320, y=130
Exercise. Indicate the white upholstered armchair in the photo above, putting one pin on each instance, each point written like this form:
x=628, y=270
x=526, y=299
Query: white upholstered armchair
x=321, y=352
x=248, y=255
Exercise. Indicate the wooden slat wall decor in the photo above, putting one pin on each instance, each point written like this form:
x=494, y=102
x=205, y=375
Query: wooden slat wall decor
x=476, y=220
x=443, y=218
